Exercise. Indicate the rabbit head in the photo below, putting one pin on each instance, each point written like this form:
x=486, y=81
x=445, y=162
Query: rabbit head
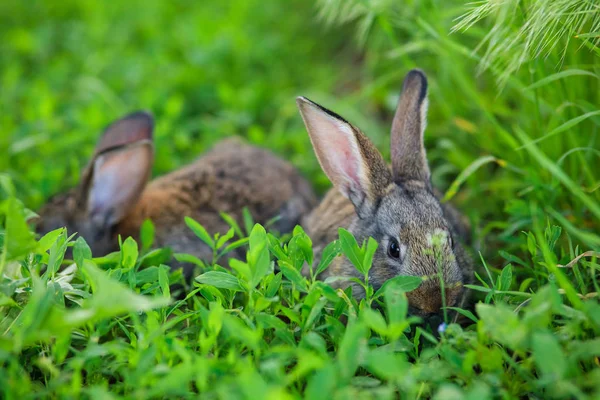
x=396, y=206
x=110, y=185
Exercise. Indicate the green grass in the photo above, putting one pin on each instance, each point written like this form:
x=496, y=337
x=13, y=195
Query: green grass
x=512, y=137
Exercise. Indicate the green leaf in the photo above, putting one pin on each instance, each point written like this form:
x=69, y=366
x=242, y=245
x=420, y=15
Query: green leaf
x=315, y=312
x=156, y=257
x=270, y=321
x=18, y=239
x=237, y=330
x=466, y=313
x=322, y=384
x=405, y=283
x=299, y=249
x=304, y=244
x=327, y=291
x=243, y=269
x=369, y=253
x=314, y=341
x=43, y=319
x=548, y=356
x=276, y=248
x=350, y=249
x=190, y=259
x=258, y=256
x=352, y=349
x=129, y=253
x=81, y=251
x=171, y=384
x=386, y=364
x=512, y=258
x=232, y=246
x=503, y=325
x=46, y=242
x=396, y=302
x=147, y=234
x=163, y=280
x=293, y=276
x=590, y=238
x=248, y=220
x=146, y=275
x=111, y=298
x=232, y=223
x=373, y=319
x=6, y=300
x=330, y=252
x=531, y=244
x=223, y=239
x=57, y=254
x=200, y=232
x=221, y=280
x=7, y=186
x=274, y=285
x=506, y=278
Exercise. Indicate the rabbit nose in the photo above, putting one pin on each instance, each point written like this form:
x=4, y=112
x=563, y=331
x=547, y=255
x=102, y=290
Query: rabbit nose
x=425, y=300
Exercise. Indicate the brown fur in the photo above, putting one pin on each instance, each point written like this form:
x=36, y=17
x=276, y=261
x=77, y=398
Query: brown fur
x=231, y=176
x=404, y=206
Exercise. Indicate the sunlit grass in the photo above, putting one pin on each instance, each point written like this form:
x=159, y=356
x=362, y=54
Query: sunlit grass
x=525, y=30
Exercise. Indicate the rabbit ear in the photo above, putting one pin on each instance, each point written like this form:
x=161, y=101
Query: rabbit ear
x=118, y=173
x=349, y=159
x=409, y=161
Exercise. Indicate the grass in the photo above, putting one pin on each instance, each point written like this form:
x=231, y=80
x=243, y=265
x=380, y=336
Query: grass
x=512, y=138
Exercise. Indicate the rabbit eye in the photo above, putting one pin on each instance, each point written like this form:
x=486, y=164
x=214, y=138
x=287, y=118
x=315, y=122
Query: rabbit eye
x=394, y=248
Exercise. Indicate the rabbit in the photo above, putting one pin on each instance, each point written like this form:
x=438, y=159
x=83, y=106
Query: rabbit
x=113, y=197
x=396, y=205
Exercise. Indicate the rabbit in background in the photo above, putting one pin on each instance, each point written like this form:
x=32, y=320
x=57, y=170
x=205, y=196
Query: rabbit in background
x=114, y=198
x=396, y=205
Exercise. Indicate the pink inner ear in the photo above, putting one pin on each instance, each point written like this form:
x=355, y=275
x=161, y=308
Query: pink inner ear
x=119, y=178
x=338, y=152
x=346, y=158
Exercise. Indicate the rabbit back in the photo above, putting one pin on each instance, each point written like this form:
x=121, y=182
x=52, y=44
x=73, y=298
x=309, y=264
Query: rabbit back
x=228, y=178
x=114, y=196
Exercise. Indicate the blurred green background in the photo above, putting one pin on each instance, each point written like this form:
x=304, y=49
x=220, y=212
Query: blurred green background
x=208, y=70
x=205, y=69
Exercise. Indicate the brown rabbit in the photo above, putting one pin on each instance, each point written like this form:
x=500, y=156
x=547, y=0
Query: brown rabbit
x=396, y=206
x=113, y=198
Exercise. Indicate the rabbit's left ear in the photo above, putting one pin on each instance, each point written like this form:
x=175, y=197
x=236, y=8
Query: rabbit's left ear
x=347, y=157
x=117, y=175
x=409, y=160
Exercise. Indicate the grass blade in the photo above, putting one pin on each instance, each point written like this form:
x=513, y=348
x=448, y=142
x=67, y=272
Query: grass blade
x=558, y=173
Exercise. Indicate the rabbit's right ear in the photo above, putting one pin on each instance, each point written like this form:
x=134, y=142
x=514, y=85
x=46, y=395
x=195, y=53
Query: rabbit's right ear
x=117, y=175
x=409, y=161
x=347, y=157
